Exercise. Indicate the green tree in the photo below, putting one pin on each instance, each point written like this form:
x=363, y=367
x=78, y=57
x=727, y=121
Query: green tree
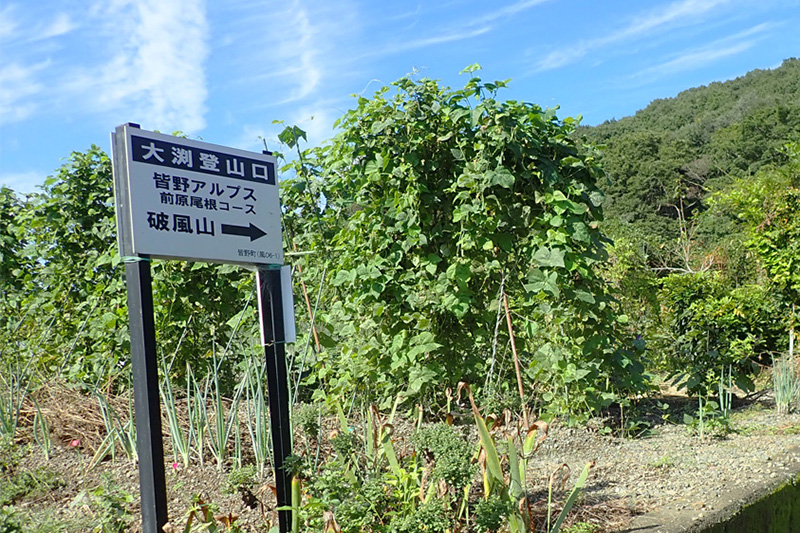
x=12, y=262
x=433, y=200
x=75, y=285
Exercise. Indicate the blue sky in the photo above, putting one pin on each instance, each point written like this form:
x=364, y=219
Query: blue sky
x=222, y=71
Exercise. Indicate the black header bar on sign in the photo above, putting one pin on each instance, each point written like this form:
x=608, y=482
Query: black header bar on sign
x=178, y=156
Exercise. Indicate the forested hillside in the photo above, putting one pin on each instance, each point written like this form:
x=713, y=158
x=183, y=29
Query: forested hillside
x=702, y=207
x=664, y=161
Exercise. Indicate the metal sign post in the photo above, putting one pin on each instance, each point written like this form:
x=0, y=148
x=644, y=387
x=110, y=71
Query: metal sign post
x=270, y=308
x=183, y=199
x=149, y=442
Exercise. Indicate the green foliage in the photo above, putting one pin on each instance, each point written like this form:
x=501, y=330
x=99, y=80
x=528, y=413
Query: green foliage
x=712, y=327
x=28, y=483
x=12, y=263
x=426, y=202
x=240, y=479
x=307, y=418
x=785, y=385
x=708, y=421
x=431, y=516
x=491, y=513
x=450, y=453
x=344, y=444
x=582, y=527
x=113, y=507
x=777, y=244
x=9, y=521
x=357, y=505
x=635, y=286
x=68, y=231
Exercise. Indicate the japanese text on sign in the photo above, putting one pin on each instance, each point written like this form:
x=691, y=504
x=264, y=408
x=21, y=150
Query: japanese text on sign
x=166, y=154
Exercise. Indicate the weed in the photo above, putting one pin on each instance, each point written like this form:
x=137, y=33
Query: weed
x=450, y=453
x=203, y=513
x=431, y=516
x=9, y=521
x=344, y=444
x=582, y=527
x=490, y=514
x=662, y=463
x=709, y=420
x=29, y=484
x=240, y=479
x=112, y=505
x=10, y=455
x=306, y=417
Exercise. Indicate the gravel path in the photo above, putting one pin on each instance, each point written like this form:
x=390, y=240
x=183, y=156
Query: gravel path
x=672, y=470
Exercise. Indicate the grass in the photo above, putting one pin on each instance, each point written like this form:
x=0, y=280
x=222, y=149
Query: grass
x=786, y=385
x=664, y=462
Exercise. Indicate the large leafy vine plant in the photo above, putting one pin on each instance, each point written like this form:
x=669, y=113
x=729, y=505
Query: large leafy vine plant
x=428, y=204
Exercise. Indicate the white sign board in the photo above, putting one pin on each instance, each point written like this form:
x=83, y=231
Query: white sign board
x=184, y=199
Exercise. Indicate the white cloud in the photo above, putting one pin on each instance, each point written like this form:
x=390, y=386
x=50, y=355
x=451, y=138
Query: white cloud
x=61, y=25
x=303, y=52
x=316, y=119
x=681, y=13
x=18, y=87
x=22, y=182
x=289, y=48
x=15, y=30
x=8, y=22
x=685, y=12
x=445, y=37
x=693, y=60
x=467, y=29
x=702, y=56
x=139, y=60
x=513, y=9
x=24, y=66
x=154, y=71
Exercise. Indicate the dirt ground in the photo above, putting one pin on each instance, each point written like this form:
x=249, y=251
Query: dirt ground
x=659, y=466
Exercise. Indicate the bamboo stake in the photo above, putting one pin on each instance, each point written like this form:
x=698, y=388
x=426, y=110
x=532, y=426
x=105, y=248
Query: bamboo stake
x=516, y=360
x=308, y=304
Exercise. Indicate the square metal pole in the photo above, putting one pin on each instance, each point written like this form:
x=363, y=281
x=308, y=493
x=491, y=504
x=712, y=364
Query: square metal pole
x=152, y=484
x=272, y=329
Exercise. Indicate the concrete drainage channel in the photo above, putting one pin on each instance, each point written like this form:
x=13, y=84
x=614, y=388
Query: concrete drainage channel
x=776, y=513
x=769, y=508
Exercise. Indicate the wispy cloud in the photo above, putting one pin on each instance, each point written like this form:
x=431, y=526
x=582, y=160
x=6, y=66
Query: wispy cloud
x=303, y=51
x=507, y=11
x=677, y=14
x=16, y=31
x=141, y=60
x=8, y=22
x=154, y=68
x=18, y=87
x=61, y=25
x=23, y=67
x=292, y=48
x=465, y=29
x=692, y=60
x=315, y=118
x=448, y=36
x=698, y=57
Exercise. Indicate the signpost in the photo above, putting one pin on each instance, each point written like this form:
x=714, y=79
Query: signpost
x=184, y=199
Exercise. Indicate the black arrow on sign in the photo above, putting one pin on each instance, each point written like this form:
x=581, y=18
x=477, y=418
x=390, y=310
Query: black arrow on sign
x=252, y=231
